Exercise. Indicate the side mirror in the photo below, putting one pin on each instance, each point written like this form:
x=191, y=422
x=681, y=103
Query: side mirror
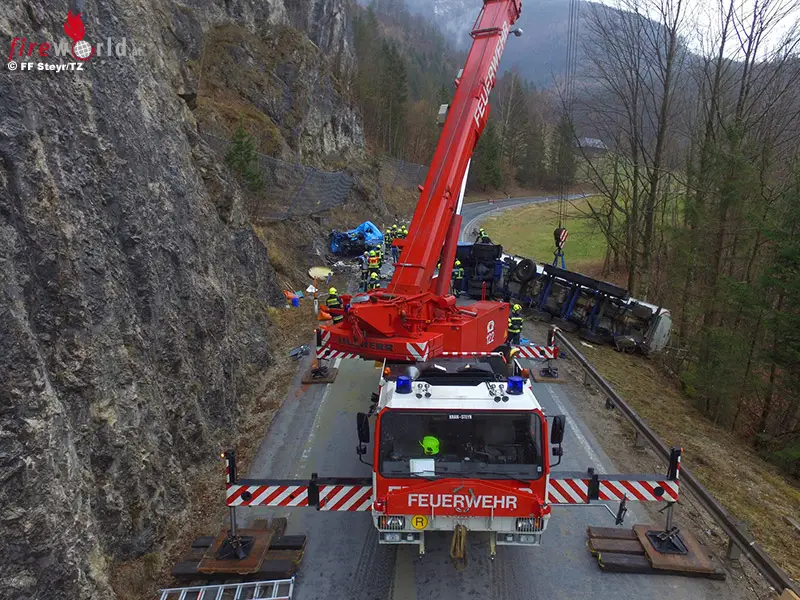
x=362, y=424
x=557, y=429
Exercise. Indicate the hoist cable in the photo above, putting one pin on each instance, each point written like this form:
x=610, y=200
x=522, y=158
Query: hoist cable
x=568, y=100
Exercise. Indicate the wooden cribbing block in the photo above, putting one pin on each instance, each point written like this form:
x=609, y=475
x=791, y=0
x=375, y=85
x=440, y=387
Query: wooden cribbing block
x=603, y=545
x=611, y=533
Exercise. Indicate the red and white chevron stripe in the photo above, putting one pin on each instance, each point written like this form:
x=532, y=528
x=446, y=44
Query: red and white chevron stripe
x=575, y=491
x=331, y=497
x=345, y=497
x=331, y=354
x=418, y=351
x=538, y=351
x=472, y=354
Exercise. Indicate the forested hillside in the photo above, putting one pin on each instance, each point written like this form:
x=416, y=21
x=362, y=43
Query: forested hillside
x=406, y=70
x=700, y=196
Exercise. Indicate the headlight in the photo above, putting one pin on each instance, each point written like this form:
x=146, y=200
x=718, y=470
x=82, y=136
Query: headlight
x=529, y=525
x=385, y=522
x=391, y=537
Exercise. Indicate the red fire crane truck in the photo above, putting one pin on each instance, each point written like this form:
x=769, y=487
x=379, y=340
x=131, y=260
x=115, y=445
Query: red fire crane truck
x=460, y=444
x=460, y=441
x=416, y=317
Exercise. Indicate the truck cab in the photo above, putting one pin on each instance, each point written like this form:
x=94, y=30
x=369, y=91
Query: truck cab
x=459, y=441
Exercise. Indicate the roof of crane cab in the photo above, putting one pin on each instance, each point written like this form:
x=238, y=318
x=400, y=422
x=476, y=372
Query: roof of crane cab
x=460, y=384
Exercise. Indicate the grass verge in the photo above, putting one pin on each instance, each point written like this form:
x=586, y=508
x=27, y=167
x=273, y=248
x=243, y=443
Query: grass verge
x=528, y=232
x=750, y=488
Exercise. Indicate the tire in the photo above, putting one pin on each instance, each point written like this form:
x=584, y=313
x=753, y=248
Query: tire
x=590, y=336
x=541, y=315
x=524, y=271
x=567, y=326
x=475, y=289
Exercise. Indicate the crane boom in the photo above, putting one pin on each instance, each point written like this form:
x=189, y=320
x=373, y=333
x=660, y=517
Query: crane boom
x=416, y=317
x=465, y=122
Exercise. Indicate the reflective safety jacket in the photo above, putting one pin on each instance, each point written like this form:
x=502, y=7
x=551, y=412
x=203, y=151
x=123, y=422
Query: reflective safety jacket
x=515, y=324
x=374, y=262
x=334, y=302
x=458, y=273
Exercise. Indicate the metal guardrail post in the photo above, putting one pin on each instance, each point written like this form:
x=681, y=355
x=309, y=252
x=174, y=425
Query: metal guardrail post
x=775, y=576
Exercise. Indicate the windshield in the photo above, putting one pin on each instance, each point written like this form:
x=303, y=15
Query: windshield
x=486, y=445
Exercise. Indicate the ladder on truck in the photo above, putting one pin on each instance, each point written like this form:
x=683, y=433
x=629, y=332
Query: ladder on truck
x=279, y=589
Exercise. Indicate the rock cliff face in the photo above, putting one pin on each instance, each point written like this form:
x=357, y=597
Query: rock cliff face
x=133, y=292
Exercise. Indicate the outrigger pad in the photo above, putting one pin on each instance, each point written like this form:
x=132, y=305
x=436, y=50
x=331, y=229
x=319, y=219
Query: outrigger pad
x=667, y=542
x=229, y=550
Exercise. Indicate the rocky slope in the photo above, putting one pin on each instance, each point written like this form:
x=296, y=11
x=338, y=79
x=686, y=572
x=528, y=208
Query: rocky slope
x=133, y=291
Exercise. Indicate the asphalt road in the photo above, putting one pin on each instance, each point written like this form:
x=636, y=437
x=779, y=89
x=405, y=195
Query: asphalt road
x=315, y=431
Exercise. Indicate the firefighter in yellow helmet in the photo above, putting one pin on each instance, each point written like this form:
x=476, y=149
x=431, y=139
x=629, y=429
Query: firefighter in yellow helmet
x=373, y=264
x=458, y=277
x=333, y=301
x=515, y=325
x=374, y=281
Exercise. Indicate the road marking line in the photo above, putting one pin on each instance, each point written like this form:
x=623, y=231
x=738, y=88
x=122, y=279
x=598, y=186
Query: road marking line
x=314, y=427
x=404, y=585
x=578, y=433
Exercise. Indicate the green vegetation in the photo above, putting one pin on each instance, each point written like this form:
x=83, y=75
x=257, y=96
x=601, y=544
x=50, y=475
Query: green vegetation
x=699, y=203
x=242, y=158
x=528, y=232
x=405, y=72
x=724, y=465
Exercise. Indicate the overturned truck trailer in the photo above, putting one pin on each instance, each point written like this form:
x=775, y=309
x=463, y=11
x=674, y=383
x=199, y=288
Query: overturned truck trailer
x=602, y=312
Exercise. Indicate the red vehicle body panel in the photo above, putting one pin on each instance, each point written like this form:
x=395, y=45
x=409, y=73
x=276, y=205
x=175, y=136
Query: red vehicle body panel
x=487, y=497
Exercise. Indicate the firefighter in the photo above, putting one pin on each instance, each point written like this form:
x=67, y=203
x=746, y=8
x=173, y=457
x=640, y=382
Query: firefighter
x=333, y=301
x=374, y=281
x=373, y=264
x=482, y=237
x=430, y=445
x=458, y=278
x=379, y=254
x=403, y=232
x=395, y=252
x=515, y=325
x=364, y=259
x=387, y=240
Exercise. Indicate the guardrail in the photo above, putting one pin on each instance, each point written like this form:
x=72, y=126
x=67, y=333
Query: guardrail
x=775, y=576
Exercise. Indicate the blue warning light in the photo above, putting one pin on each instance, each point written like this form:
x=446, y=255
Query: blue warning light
x=404, y=384
x=515, y=385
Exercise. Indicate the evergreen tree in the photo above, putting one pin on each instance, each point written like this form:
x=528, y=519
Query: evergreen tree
x=531, y=169
x=488, y=154
x=562, y=154
x=242, y=158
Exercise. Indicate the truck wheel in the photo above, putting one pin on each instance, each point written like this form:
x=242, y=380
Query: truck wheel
x=524, y=271
x=541, y=315
x=566, y=325
x=591, y=336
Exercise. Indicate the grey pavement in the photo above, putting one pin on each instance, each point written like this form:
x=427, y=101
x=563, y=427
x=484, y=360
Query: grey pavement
x=314, y=431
